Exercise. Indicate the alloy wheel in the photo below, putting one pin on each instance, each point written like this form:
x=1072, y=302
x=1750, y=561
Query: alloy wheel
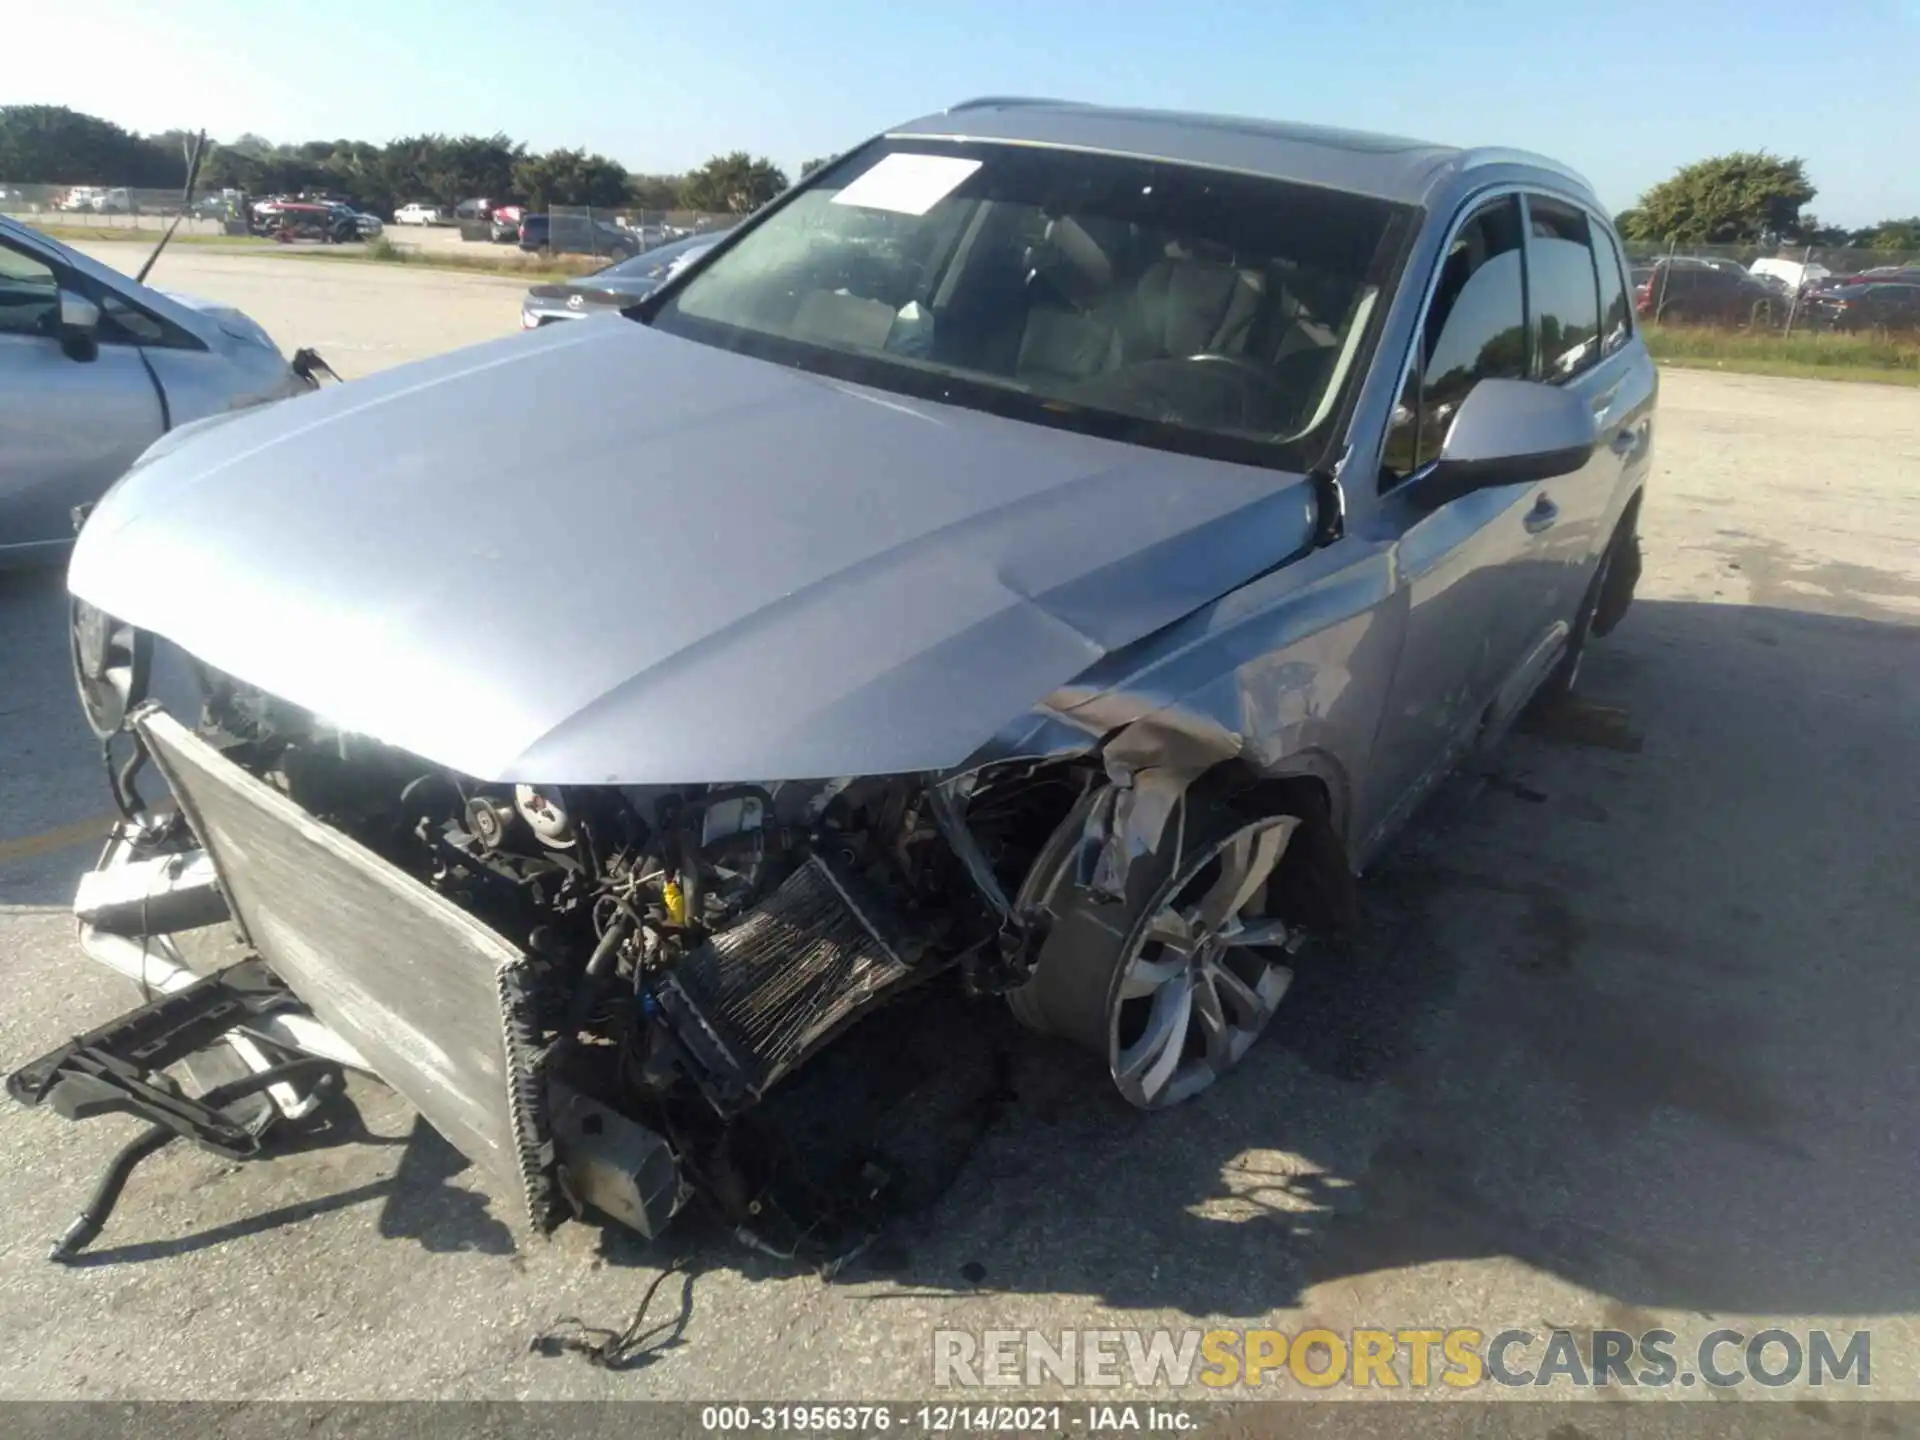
x=1202, y=977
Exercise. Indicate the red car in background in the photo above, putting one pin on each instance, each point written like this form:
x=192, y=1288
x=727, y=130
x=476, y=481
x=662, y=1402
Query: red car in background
x=506, y=222
x=1879, y=275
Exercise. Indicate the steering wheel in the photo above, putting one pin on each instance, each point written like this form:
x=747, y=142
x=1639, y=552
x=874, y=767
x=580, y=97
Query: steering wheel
x=1238, y=362
x=1261, y=389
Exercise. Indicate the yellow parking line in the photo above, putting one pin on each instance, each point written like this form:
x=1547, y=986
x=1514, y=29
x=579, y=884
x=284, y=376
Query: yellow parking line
x=60, y=838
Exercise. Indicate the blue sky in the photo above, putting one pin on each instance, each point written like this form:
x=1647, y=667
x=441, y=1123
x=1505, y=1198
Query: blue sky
x=1624, y=92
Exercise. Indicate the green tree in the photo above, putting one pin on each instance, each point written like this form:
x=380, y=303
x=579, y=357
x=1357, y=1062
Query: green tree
x=1894, y=235
x=810, y=166
x=570, y=177
x=483, y=165
x=654, y=192
x=1727, y=200
x=436, y=168
x=1813, y=231
x=735, y=183
x=55, y=145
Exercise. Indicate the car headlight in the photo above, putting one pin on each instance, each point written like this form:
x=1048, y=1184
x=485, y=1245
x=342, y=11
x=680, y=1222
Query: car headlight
x=111, y=661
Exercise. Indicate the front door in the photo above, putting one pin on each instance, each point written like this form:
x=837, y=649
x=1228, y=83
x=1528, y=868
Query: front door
x=68, y=427
x=1469, y=569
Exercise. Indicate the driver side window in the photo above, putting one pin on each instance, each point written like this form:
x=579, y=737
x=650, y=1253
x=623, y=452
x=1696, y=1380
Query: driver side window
x=1475, y=327
x=29, y=294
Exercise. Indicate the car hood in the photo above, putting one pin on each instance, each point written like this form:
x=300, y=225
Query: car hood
x=636, y=278
x=604, y=554
x=596, y=289
x=235, y=323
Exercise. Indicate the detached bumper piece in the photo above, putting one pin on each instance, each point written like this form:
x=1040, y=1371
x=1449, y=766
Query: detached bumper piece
x=117, y=1069
x=761, y=997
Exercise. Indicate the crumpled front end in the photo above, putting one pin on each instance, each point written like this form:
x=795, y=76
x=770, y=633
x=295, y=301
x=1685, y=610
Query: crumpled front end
x=603, y=996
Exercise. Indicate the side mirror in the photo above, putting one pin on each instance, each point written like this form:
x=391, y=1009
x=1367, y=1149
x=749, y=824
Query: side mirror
x=79, y=326
x=1510, y=432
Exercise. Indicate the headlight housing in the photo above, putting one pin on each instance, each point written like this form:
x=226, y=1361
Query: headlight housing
x=111, y=664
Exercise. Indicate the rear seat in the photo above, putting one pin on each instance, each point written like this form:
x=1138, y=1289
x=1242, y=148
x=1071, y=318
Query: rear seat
x=1189, y=306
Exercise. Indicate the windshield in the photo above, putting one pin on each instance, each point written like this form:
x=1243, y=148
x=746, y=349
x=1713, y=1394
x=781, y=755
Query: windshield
x=1155, y=302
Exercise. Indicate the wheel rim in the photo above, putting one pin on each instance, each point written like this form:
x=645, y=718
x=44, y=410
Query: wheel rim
x=1201, y=979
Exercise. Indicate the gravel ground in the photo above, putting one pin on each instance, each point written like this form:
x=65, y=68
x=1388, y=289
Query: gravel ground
x=1629, y=1040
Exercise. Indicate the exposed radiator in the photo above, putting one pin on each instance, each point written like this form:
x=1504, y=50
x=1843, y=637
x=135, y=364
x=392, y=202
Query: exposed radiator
x=437, y=1002
x=763, y=995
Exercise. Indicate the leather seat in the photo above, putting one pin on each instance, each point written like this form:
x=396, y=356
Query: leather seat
x=1188, y=305
x=1182, y=305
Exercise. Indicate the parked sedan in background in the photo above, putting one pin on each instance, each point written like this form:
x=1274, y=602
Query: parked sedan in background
x=615, y=287
x=94, y=367
x=1866, y=307
x=1046, y=553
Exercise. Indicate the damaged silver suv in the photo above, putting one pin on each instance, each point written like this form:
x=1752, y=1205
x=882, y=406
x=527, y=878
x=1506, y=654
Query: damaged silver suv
x=1042, y=555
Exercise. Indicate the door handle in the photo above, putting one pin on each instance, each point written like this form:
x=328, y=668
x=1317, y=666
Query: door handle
x=1542, y=515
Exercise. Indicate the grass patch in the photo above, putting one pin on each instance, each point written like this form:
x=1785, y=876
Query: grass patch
x=88, y=234
x=380, y=249
x=1888, y=359
x=511, y=262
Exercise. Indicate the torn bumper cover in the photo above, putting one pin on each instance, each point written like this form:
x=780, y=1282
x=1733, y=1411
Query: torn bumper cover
x=400, y=982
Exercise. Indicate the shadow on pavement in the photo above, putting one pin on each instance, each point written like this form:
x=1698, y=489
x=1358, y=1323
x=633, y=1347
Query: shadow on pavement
x=49, y=763
x=419, y=1203
x=1640, y=1020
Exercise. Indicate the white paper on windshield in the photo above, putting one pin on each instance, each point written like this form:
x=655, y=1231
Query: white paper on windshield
x=907, y=184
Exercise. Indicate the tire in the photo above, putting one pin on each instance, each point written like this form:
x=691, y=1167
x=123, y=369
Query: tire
x=1172, y=985
x=1608, y=594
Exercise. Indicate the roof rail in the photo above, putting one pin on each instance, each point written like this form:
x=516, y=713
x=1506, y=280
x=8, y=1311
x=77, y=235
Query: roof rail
x=1503, y=155
x=986, y=102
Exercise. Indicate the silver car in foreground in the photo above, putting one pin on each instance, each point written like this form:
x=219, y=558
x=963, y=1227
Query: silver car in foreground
x=1043, y=554
x=94, y=367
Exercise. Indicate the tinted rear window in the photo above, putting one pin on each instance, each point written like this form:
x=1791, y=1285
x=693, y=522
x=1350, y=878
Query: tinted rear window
x=1560, y=275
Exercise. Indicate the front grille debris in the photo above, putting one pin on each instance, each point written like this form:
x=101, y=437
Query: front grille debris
x=761, y=996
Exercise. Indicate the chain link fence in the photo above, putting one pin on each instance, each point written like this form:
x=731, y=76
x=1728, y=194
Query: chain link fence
x=614, y=234
x=1759, y=287
x=1825, y=260
x=570, y=229
x=113, y=207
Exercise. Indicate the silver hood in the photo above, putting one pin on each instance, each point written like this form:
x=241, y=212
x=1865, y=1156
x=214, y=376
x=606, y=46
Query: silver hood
x=237, y=323
x=598, y=553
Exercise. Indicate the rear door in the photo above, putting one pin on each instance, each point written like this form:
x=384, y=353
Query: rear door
x=68, y=428
x=1564, y=292
x=1581, y=334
